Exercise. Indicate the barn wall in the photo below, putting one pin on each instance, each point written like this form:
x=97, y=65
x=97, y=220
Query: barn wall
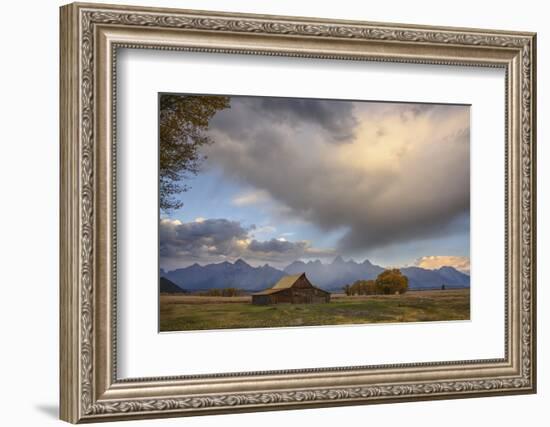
x=309, y=295
x=283, y=296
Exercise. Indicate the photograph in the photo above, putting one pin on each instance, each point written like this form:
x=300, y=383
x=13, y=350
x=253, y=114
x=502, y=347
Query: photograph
x=293, y=212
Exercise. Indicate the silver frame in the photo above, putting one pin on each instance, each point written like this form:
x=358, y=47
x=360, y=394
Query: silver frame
x=90, y=37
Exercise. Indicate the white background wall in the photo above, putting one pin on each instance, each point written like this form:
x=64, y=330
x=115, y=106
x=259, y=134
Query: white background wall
x=29, y=170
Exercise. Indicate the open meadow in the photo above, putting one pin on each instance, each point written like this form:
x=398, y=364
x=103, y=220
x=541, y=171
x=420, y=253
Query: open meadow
x=193, y=312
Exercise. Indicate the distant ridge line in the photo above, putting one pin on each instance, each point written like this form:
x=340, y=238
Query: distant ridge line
x=331, y=276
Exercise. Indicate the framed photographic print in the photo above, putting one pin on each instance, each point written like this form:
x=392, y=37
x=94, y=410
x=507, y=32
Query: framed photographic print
x=260, y=198
x=265, y=212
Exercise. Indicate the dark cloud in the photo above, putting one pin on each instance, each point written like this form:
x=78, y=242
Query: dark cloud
x=409, y=181
x=215, y=240
x=278, y=246
x=204, y=238
x=335, y=119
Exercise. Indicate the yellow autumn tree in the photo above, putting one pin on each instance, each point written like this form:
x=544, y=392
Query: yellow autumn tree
x=391, y=282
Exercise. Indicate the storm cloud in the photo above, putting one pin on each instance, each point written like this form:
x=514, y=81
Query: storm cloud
x=336, y=121
x=277, y=246
x=201, y=238
x=385, y=173
x=216, y=240
x=336, y=118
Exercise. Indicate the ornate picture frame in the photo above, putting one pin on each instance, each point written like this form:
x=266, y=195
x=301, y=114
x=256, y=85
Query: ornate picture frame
x=90, y=37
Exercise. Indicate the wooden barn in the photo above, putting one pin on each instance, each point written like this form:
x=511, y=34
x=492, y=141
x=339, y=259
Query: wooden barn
x=295, y=289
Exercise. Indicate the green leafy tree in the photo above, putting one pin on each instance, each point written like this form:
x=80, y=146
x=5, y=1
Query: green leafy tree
x=183, y=122
x=391, y=282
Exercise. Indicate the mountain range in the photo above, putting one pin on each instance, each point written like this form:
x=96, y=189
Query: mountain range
x=331, y=276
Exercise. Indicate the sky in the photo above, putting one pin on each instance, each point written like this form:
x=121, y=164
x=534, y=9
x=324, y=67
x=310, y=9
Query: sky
x=291, y=178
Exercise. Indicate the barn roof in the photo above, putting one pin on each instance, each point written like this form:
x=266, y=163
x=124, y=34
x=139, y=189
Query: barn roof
x=285, y=283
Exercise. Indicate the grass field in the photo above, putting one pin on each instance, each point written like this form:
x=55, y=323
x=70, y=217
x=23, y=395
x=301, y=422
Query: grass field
x=190, y=312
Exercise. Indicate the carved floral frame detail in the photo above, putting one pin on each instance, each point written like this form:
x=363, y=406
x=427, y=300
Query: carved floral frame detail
x=88, y=311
